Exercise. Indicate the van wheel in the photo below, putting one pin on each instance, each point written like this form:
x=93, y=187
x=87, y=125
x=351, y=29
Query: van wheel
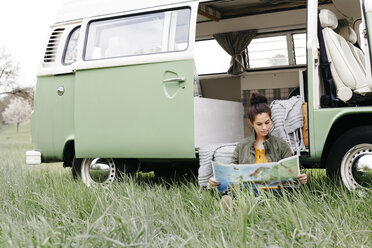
x=94, y=170
x=102, y=170
x=350, y=158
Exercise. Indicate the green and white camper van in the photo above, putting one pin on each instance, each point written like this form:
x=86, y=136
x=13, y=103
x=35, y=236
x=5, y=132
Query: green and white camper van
x=123, y=83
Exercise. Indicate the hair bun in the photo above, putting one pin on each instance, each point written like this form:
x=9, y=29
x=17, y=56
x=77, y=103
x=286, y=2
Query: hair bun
x=257, y=98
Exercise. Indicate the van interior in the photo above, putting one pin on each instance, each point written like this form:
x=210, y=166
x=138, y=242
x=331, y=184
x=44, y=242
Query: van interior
x=274, y=63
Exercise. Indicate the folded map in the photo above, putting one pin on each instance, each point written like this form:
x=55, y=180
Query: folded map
x=271, y=174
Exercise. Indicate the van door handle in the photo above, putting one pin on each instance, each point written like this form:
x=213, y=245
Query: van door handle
x=60, y=90
x=181, y=80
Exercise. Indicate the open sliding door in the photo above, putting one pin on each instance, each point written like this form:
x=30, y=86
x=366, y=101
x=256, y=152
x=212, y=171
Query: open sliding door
x=134, y=91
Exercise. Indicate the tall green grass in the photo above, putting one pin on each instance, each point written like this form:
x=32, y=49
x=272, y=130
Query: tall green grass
x=42, y=206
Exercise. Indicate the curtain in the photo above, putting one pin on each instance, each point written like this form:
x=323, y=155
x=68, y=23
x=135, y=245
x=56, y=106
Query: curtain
x=235, y=44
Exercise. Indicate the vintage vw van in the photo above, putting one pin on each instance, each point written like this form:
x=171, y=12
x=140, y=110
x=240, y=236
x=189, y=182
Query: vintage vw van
x=124, y=83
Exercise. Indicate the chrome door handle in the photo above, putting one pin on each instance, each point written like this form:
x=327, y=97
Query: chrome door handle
x=60, y=90
x=181, y=80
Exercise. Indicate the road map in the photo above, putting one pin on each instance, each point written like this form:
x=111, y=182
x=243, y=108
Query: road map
x=272, y=174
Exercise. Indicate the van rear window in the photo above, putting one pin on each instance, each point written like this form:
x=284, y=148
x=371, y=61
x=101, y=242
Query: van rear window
x=137, y=35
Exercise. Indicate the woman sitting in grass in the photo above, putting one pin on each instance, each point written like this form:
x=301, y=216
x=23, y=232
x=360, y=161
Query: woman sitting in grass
x=262, y=147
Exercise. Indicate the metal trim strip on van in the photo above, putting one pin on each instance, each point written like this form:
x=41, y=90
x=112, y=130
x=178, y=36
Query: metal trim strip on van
x=133, y=60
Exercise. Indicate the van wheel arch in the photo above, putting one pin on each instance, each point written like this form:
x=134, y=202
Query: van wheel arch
x=348, y=154
x=68, y=153
x=341, y=126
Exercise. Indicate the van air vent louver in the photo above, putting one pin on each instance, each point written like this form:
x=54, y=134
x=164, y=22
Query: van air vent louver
x=51, y=50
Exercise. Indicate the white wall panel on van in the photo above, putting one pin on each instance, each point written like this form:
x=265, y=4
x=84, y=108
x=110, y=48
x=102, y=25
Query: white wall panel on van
x=217, y=121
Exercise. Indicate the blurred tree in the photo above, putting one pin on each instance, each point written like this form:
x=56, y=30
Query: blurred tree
x=26, y=93
x=17, y=111
x=4, y=101
x=8, y=72
x=8, y=83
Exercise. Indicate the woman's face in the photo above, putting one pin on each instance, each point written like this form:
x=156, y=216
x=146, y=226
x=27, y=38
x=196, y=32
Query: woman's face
x=262, y=124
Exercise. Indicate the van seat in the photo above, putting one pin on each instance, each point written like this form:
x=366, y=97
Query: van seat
x=351, y=37
x=347, y=74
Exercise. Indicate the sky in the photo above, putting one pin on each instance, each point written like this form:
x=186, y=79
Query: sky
x=24, y=30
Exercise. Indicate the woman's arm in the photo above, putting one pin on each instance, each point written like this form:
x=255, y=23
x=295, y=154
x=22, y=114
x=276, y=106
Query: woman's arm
x=235, y=156
x=213, y=183
x=287, y=152
x=234, y=160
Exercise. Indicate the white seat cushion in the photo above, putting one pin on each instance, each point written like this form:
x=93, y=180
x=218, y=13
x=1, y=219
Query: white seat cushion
x=351, y=37
x=346, y=71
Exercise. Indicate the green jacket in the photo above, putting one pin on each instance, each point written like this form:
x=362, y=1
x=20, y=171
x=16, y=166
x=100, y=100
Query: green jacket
x=275, y=150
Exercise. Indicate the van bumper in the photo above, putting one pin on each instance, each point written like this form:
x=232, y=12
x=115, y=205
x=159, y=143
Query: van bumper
x=33, y=157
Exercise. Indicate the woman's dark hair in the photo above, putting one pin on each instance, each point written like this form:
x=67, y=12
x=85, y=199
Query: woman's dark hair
x=258, y=105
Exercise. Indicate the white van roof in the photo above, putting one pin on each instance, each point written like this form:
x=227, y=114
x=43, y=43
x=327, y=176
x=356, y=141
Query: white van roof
x=78, y=9
x=222, y=9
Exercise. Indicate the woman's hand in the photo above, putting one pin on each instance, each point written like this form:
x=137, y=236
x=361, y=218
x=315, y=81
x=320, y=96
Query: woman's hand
x=213, y=183
x=302, y=179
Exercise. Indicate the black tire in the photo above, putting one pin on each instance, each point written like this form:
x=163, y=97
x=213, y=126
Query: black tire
x=76, y=167
x=345, y=152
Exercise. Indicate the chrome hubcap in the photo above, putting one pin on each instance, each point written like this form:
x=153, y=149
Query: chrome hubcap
x=356, y=167
x=98, y=171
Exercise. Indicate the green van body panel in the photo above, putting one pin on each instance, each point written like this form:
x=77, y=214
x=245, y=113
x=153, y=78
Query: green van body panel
x=320, y=121
x=53, y=117
x=129, y=112
x=324, y=119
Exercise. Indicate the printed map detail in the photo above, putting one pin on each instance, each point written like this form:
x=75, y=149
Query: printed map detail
x=263, y=175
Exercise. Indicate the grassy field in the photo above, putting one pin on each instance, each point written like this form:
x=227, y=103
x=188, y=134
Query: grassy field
x=42, y=206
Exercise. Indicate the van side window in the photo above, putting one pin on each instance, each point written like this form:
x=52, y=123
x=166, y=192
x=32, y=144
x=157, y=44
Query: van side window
x=137, y=35
x=277, y=51
x=70, y=54
x=268, y=52
x=299, y=42
x=263, y=52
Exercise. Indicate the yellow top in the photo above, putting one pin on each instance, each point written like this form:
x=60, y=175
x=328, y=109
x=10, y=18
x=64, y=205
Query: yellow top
x=261, y=158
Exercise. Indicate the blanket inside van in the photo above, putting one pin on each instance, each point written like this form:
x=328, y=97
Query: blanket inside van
x=287, y=121
x=217, y=152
